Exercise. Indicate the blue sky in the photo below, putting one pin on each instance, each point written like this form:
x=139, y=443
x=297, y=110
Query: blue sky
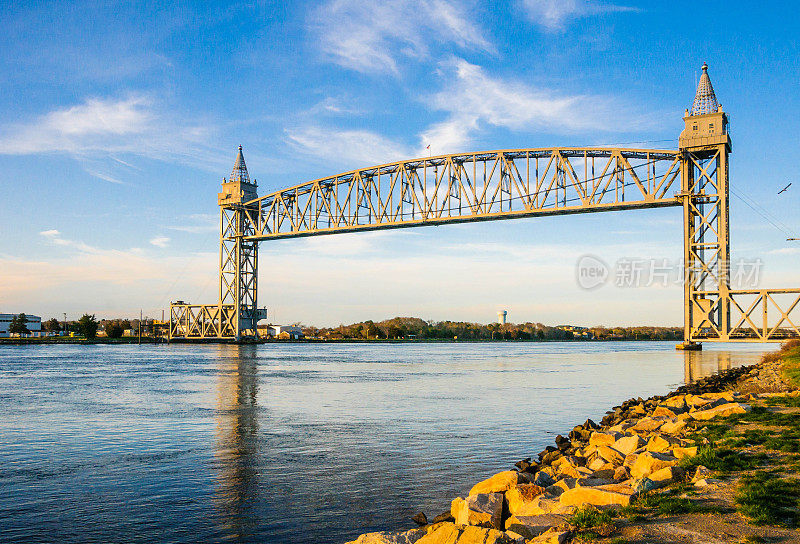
x=118, y=121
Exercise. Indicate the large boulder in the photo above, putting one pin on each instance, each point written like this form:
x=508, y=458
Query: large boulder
x=406, y=537
x=599, y=438
x=598, y=463
x=622, y=473
x=648, y=424
x=481, y=509
x=673, y=426
x=553, y=536
x=630, y=460
x=521, y=498
x=446, y=533
x=482, y=535
x=658, y=444
x=665, y=476
x=532, y=526
x=497, y=483
x=704, y=402
x=567, y=466
x=628, y=444
x=680, y=452
x=543, y=478
x=664, y=411
x=676, y=401
x=604, y=495
x=610, y=455
x=649, y=462
x=563, y=484
x=723, y=410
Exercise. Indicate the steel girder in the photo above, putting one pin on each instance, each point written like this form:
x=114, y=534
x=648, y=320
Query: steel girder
x=491, y=185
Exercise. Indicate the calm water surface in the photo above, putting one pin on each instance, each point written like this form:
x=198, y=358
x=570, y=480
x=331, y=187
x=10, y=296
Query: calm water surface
x=291, y=443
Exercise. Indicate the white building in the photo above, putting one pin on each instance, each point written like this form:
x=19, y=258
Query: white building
x=276, y=330
x=34, y=324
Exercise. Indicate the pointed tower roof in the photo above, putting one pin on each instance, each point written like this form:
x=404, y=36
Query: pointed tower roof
x=705, y=101
x=239, y=173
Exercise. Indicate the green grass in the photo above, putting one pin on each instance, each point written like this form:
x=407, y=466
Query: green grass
x=768, y=500
x=791, y=365
x=789, y=402
x=786, y=441
x=633, y=512
x=764, y=416
x=591, y=524
x=712, y=432
x=588, y=518
x=668, y=504
x=723, y=460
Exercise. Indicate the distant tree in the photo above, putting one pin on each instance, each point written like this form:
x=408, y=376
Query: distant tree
x=114, y=329
x=88, y=325
x=52, y=325
x=19, y=324
x=371, y=330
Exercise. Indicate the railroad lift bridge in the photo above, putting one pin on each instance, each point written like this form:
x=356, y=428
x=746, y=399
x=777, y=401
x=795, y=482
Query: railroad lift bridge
x=509, y=184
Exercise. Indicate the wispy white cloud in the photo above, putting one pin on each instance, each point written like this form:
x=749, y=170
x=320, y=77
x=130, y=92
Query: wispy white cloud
x=160, y=241
x=355, y=148
x=108, y=178
x=54, y=236
x=198, y=223
x=98, y=129
x=474, y=100
x=365, y=35
x=785, y=251
x=556, y=14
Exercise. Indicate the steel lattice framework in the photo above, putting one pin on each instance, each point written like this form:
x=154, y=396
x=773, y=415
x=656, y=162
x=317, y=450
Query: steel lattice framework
x=490, y=185
x=507, y=184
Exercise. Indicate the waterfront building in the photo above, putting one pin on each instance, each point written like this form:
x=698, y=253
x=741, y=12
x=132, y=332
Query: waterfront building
x=283, y=331
x=34, y=325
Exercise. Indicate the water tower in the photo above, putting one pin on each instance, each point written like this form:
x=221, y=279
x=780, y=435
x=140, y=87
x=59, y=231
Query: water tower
x=501, y=316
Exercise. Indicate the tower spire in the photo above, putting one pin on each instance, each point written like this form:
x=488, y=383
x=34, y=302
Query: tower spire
x=705, y=101
x=239, y=173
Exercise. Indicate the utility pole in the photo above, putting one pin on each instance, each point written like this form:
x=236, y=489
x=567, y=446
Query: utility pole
x=140, y=326
x=65, y=322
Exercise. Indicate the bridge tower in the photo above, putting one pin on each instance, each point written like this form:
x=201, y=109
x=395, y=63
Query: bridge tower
x=704, y=146
x=238, y=256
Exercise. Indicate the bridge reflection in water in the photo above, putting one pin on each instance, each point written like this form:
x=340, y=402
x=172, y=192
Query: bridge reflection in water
x=701, y=364
x=237, y=490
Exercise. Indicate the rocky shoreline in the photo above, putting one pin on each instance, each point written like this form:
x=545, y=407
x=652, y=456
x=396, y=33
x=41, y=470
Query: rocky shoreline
x=614, y=480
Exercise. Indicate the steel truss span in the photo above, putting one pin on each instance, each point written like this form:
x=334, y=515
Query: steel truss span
x=490, y=185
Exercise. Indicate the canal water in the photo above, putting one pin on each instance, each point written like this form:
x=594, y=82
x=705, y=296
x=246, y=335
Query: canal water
x=292, y=443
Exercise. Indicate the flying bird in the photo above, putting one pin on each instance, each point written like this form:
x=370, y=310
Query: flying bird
x=784, y=189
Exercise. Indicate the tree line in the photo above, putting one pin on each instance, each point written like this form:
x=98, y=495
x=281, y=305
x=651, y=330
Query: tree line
x=414, y=327
x=86, y=326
